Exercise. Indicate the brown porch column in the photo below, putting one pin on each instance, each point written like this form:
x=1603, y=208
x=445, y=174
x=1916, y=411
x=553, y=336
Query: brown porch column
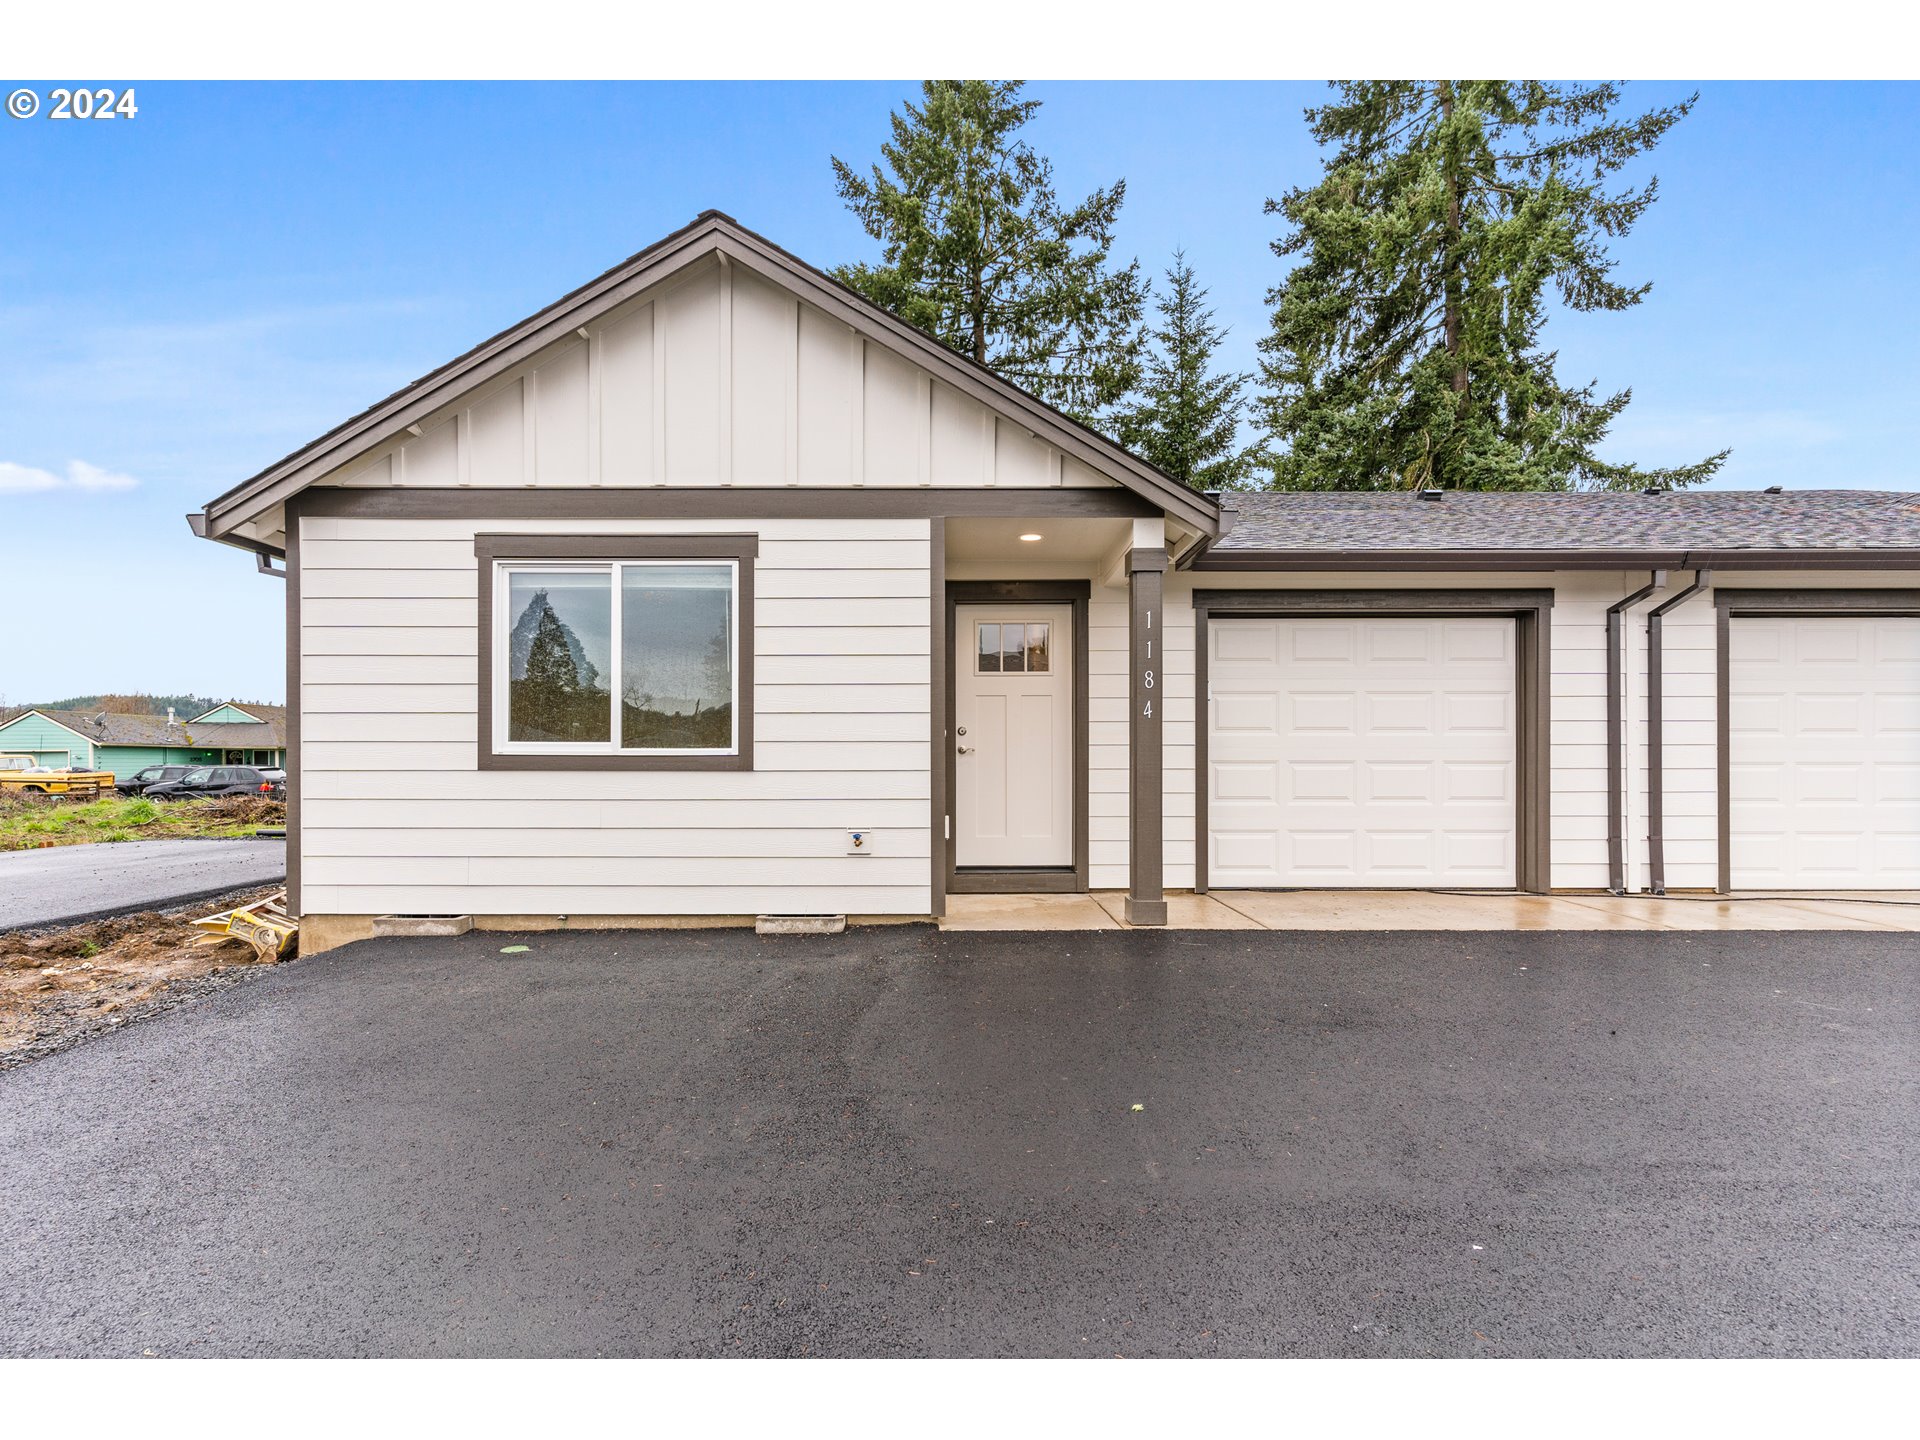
x=1146, y=897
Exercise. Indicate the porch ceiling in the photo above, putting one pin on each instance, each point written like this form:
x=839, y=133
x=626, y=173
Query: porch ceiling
x=1063, y=540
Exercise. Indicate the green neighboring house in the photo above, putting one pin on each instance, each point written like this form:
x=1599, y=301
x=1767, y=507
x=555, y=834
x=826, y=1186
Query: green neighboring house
x=228, y=734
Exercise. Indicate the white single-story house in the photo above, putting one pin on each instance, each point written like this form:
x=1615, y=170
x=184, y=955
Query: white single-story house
x=713, y=591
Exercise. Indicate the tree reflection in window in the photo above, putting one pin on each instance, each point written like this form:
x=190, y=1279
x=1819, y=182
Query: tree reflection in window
x=557, y=656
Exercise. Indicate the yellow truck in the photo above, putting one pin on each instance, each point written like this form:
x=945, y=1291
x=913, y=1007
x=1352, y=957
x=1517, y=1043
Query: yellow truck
x=23, y=775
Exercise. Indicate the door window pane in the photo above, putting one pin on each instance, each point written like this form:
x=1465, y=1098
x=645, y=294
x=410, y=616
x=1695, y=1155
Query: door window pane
x=1039, y=648
x=989, y=642
x=559, y=655
x=1013, y=648
x=676, y=657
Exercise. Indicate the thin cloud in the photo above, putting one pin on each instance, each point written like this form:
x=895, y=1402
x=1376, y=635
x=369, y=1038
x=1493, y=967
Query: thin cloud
x=30, y=479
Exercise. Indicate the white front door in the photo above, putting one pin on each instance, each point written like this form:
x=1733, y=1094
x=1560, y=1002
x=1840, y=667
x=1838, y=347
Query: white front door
x=1013, y=736
x=1824, y=752
x=1365, y=753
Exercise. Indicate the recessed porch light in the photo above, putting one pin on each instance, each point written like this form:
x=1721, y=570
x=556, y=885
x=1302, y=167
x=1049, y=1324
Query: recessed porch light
x=1031, y=537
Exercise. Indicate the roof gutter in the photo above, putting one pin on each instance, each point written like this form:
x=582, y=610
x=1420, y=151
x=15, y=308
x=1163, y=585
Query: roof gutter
x=1406, y=558
x=1616, y=715
x=263, y=553
x=1656, y=743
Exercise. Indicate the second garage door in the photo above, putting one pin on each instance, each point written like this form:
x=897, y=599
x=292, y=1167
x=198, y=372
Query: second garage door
x=1362, y=753
x=1824, y=752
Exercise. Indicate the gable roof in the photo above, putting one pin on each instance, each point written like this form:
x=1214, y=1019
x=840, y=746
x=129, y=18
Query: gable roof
x=57, y=717
x=153, y=730
x=262, y=713
x=712, y=232
x=1263, y=529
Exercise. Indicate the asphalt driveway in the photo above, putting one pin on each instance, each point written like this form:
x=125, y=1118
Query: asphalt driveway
x=901, y=1142
x=78, y=882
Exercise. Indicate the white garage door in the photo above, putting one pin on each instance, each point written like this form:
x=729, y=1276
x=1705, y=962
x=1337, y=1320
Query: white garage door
x=1823, y=753
x=1364, y=752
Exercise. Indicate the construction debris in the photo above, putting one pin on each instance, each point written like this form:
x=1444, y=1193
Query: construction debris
x=62, y=984
x=264, y=924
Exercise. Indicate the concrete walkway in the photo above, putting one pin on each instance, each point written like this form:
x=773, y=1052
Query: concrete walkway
x=80, y=882
x=1423, y=910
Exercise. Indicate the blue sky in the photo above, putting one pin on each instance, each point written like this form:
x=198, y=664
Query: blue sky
x=186, y=296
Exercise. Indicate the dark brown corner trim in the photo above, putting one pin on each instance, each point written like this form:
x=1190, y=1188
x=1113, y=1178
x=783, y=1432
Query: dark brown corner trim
x=1813, y=604
x=296, y=702
x=1532, y=610
x=488, y=548
x=1078, y=594
x=940, y=677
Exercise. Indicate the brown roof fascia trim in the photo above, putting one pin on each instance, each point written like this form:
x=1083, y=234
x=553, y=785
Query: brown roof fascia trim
x=710, y=501
x=1888, y=558
x=648, y=268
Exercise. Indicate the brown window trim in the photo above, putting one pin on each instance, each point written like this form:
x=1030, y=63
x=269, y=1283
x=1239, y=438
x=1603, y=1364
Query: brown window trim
x=1532, y=612
x=488, y=548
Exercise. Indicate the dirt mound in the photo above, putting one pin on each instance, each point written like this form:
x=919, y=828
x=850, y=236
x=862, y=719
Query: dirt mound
x=73, y=979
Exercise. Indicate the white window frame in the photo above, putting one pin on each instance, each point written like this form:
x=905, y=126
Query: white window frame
x=501, y=676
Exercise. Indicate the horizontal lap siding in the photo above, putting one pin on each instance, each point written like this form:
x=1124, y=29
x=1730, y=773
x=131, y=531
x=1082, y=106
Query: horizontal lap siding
x=1578, y=730
x=396, y=814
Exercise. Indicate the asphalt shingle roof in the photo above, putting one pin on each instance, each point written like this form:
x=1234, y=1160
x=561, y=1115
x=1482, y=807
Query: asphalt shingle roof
x=1570, y=520
x=114, y=729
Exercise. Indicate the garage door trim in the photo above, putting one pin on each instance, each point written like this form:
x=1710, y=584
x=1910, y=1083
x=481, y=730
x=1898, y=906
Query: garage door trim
x=1777, y=604
x=1532, y=612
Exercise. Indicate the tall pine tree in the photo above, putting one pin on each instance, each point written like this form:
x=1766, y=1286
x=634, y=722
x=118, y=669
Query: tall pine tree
x=1405, y=348
x=978, y=252
x=1185, y=419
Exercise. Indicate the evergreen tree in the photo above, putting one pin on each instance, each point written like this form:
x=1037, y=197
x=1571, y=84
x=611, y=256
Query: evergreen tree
x=1186, y=419
x=977, y=251
x=1405, y=344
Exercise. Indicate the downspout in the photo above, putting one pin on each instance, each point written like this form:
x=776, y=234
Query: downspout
x=1616, y=743
x=1656, y=766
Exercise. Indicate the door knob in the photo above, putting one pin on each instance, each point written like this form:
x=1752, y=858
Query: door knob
x=966, y=749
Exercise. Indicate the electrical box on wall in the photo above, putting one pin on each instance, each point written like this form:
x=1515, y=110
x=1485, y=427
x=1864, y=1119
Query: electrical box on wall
x=859, y=842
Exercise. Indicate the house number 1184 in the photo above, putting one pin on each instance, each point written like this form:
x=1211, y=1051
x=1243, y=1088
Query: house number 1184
x=1146, y=677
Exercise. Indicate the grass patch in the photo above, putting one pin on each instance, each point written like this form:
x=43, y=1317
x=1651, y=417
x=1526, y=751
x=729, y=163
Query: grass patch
x=26, y=823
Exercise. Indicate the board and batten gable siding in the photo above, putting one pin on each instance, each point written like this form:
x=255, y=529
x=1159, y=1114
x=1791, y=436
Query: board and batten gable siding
x=718, y=378
x=227, y=715
x=396, y=816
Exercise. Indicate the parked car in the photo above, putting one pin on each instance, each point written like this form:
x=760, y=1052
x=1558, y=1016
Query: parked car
x=151, y=776
x=206, y=781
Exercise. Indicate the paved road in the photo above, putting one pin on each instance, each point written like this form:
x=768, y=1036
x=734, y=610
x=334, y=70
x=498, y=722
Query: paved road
x=900, y=1142
x=39, y=887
